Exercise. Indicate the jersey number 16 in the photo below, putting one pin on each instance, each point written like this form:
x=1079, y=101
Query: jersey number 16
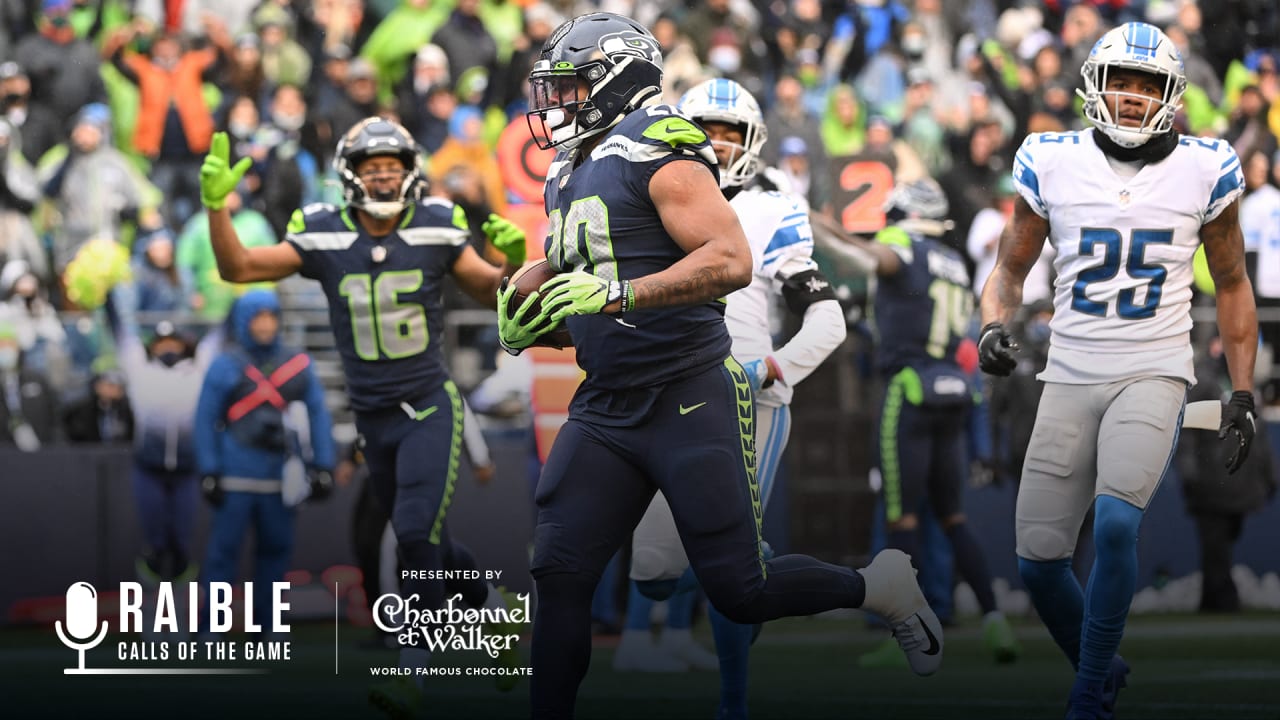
x=379, y=321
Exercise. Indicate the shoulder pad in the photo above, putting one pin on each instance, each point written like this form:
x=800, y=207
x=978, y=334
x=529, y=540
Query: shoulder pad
x=675, y=130
x=312, y=215
x=1218, y=162
x=434, y=211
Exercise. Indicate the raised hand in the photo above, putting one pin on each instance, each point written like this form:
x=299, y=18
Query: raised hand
x=217, y=177
x=507, y=237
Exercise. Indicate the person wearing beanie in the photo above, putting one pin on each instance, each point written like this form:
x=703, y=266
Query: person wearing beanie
x=95, y=188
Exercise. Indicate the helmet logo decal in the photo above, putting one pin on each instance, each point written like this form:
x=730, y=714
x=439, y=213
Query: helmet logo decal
x=630, y=42
x=1142, y=40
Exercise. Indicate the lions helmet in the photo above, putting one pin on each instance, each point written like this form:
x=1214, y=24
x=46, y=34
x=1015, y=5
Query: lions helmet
x=617, y=59
x=368, y=138
x=919, y=206
x=1133, y=46
x=725, y=101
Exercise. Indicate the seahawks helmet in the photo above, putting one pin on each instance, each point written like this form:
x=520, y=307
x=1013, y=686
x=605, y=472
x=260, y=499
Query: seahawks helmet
x=619, y=61
x=379, y=136
x=725, y=101
x=918, y=206
x=1133, y=46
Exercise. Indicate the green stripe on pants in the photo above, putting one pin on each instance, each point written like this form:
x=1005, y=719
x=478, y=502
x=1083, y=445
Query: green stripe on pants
x=455, y=454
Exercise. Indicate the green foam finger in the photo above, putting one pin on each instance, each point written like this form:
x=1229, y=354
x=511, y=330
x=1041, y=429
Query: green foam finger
x=241, y=168
x=220, y=147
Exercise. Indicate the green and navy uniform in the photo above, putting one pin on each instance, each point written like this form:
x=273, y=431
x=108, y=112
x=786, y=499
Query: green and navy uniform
x=601, y=220
x=922, y=312
x=386, y=311
x=664, y=406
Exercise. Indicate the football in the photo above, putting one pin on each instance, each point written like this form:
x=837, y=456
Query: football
x=527, y=279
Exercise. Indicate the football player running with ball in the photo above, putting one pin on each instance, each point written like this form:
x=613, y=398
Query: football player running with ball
x=777, y=229
x=1125, y=204
x=647, y=246
x=381, y=261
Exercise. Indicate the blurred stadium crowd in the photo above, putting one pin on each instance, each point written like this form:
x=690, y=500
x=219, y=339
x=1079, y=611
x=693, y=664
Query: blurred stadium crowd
x=107, y=107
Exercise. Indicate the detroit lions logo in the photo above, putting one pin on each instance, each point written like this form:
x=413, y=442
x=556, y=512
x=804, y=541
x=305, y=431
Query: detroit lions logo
x=630, y=42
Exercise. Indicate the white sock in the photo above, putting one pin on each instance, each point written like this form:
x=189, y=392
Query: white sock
x=891, y=588
x=677, y=635
x=494, y=600
x=635, y=638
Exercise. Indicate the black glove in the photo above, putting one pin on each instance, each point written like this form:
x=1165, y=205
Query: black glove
x=1237, y=417
x=321, y=484
x=211, y=486
x=995, y=350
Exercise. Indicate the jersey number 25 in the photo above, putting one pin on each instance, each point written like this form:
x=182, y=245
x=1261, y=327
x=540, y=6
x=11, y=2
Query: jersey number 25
x=1112, y=242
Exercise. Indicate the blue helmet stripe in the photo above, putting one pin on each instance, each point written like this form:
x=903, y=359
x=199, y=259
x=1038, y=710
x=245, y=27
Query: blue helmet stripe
x=1141, y=39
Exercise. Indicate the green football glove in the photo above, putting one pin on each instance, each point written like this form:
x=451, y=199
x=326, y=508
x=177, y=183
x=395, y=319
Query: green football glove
x=578, y=293
x=519, y=332
x=217, y=177
x=507, y=237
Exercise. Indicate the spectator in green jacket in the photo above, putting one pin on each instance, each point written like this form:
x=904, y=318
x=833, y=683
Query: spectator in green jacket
x=211, y=297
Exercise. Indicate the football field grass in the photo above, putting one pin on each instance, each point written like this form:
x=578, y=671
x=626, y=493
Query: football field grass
x=1184, y=667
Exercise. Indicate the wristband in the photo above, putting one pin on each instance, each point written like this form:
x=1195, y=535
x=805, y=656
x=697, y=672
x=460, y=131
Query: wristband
x=628, y=296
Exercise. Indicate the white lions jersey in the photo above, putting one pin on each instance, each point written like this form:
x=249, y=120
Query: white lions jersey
x=777, y=228
x=1122, y=297
x=1260, y=223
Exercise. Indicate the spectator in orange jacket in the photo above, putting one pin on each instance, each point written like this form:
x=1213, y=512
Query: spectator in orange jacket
x=174, y=121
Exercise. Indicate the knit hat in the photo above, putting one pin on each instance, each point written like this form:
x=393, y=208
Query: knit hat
x=792, y=146
x=95, y=114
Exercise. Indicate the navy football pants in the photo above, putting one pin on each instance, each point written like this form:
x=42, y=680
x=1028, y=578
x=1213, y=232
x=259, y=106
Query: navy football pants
x=696, y=444
x=413, y=469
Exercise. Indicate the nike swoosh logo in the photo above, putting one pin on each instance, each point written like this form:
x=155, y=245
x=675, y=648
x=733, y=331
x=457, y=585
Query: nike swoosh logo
x=422, y=414
x=673, y=129
x=686, y=410
x=934, y=647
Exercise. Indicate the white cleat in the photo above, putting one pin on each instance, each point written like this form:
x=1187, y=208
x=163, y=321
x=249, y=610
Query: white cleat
x=893, y=593
x=681, y=645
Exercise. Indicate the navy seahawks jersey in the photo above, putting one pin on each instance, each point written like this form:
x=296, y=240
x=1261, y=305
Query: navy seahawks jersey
x=384, y=295
x=601, y=220
x=923, y=311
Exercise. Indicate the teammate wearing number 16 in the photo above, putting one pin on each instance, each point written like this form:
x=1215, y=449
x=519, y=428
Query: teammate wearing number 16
x=1125, y=204
x=381, y=261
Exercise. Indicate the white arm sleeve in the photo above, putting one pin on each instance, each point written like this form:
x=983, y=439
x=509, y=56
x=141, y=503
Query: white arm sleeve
x=820, y=334
x=473, y=439
x=821, y=331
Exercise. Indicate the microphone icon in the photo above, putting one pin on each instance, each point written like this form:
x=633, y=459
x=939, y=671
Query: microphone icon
x=82, y=622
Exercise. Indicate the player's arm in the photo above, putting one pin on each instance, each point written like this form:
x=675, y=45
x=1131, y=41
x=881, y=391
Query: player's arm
x=239, y=264
x=477, y=276
x=866, y=257
x=1020, y=247
x=1237, y=314
x=702, y=223
x=695, y=214
x=480, y=279
x=236, y=263
x=808, y=294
